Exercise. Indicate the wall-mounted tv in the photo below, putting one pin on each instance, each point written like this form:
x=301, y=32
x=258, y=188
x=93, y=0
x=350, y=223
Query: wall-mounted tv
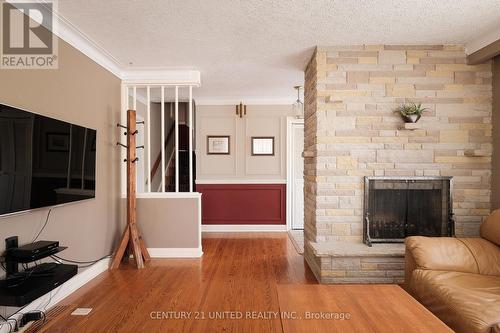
x=43, y=161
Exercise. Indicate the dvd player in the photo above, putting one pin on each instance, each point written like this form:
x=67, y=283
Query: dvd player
x=35, y=250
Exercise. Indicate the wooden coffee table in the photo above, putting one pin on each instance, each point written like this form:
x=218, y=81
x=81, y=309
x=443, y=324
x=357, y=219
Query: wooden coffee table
x=354, y=308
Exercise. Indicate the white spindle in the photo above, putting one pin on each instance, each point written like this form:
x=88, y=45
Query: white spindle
x=176, y=138
x=134, y=102
x=148, y=138
x=123, y=120
x=163, y=138
x=190, y=139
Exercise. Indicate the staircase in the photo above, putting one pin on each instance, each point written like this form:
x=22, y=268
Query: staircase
x=170, y=161
x=183, y=172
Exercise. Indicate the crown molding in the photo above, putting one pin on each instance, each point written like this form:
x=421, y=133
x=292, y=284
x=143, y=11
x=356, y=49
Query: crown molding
x=66, y=31
x=160, y=76
x=247, y=101
x=69, y=33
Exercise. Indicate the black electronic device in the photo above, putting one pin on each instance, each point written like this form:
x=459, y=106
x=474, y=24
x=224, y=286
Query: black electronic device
x=50, y=161
x=34, y=251
x=18, y=288
x=10, y=244
x=32, y=285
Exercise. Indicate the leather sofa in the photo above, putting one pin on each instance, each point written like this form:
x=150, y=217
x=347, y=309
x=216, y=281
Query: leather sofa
x=458, y=279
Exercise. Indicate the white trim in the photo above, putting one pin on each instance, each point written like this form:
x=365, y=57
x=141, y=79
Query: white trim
x=168, y=195
x=157, y=76
x=50, y=299
x=176, y=138
x=247, y=101
x=243, y=228
x=76, y=38
x=289, y=172
x=162, y=139
x=240, y=181
x=188, y=252
x=68, y=32
x=482, y=41
x=190, y=138
x=199, y=221
x=123, y=153
x=148, y=138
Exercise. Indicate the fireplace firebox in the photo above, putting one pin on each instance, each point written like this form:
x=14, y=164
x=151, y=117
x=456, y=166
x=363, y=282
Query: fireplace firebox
x=397, y=207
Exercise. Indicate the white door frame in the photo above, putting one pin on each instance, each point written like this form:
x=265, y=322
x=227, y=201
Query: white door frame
x=290, y=121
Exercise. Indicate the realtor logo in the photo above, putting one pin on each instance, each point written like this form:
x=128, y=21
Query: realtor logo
x=27, y=35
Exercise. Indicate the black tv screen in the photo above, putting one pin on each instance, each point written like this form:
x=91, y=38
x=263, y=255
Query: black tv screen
x=43, y=161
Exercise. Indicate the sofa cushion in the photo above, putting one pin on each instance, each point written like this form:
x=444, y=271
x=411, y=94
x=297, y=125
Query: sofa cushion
x=441, y=253
x=486, y=253
x=490, y=229
x=466, y=302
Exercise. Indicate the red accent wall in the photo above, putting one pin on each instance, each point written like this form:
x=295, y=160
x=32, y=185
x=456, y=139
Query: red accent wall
x=243, y=203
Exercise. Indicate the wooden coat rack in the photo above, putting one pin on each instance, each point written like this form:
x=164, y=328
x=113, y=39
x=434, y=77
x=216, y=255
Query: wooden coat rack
x=131, y=236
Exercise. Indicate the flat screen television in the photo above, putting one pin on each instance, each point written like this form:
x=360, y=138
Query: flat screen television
x=43, y=161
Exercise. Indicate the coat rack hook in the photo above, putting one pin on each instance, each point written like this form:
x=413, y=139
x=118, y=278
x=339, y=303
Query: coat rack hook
x=140, y=147
x=120, y=125
x=121, y=144
x=140, y=122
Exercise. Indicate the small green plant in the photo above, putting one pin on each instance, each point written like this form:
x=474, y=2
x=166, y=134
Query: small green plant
x=411, y=112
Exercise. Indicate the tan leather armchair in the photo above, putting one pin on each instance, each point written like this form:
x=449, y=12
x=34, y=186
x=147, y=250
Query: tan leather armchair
x=458, y=279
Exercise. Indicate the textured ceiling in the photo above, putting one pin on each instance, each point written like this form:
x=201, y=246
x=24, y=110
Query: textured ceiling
x=253, y=49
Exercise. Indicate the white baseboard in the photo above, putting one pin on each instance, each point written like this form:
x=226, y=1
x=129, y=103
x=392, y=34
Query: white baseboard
x=47, y=301
x=188, y=252
x=243, y=228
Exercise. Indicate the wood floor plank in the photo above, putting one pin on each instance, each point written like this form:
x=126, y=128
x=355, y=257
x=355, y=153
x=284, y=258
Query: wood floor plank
x=371, y=308
x=252, y=275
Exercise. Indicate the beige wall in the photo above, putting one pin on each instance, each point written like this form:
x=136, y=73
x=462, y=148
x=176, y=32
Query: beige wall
x=495, y=181
x=81, y=92
x=260, y=120
x=160, y=220
x=352, y=131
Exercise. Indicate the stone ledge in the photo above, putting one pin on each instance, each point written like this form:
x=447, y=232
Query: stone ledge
x=346, y=249
x=347, y=262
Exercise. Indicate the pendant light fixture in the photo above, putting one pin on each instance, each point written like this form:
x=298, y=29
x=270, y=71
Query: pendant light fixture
x=298, y=106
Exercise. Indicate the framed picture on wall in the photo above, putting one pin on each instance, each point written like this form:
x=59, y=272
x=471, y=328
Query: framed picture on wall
x=218, y=144
x=262, y=145
x=57, y=142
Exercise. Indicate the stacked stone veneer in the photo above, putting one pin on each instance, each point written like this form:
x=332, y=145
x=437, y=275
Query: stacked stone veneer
x=351, y=131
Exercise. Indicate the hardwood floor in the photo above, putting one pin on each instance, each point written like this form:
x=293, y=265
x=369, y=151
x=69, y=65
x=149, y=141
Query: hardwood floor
x=238, y=274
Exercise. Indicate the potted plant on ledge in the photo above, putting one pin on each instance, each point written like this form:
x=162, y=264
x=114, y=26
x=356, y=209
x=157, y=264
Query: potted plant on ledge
x=411, y=113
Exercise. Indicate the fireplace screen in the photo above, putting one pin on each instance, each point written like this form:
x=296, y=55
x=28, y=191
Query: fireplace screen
x=395, y=208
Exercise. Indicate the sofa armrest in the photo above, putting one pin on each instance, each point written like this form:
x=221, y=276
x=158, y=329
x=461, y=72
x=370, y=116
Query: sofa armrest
x=410, y=266
x=440, y=253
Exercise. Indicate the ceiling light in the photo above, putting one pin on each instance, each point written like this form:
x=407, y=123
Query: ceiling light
x=298, y=106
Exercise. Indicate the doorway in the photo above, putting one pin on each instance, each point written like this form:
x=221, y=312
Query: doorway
x=295, y=174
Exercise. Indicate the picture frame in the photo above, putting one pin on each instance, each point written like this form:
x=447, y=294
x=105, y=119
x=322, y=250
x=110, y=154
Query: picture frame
x=262, y=145
x=57, y=142
x=218, y=145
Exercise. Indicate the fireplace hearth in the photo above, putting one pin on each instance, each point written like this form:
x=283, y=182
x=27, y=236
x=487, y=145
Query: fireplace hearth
x=396, y=207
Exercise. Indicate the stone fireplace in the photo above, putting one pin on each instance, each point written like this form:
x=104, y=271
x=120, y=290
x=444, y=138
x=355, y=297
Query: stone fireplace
x=398, y=207
x=351, y=132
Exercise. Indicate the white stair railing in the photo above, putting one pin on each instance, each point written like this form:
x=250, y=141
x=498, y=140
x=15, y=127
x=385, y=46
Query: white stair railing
x=130, y=96
x=162, y=183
